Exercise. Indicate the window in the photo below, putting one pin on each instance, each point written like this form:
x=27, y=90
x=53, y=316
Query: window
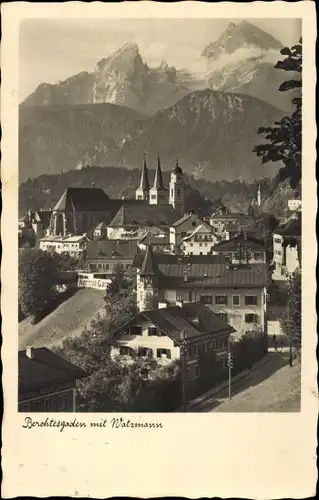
x=196, y=371
x=221, y=300
x=164, y=353
x=201, y=244
x=257, y=255
x=191, y=244
x=250, y=300
x=277, y=240
x=125, y=350
x=153, y=196
x=152, y=331
x=236, y=300
x=143, y=351
x=195, y=350
x=251, y=318
x=223, y=316
x=178, y=192
x=206, y=299
x=136, y=330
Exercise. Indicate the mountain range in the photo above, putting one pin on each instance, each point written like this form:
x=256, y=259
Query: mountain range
x=212, y=133
x=124, y=107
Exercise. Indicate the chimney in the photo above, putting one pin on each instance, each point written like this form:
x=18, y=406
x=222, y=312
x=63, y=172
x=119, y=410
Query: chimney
x=93, y=184
x=179, y=303
x=162, y=305
x=29, y=352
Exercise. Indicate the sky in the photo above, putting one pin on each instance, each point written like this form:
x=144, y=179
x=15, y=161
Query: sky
x=54, y=49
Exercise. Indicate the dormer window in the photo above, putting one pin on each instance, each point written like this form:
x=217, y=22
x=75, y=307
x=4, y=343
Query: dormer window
x=153, y=331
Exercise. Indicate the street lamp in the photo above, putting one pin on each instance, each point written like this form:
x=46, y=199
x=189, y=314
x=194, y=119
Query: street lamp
x=182, y=349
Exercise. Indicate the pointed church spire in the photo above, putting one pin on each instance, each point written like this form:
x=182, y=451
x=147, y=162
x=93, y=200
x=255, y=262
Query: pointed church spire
x=149, y=266
x=144, y=184
x=158, y=180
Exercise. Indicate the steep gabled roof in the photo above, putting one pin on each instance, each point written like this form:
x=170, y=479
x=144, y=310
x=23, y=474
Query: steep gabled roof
x=174, y=319
x=149, y=266
x=82, y=199
x=44, y=369
x=158, y=179
x=144, y=183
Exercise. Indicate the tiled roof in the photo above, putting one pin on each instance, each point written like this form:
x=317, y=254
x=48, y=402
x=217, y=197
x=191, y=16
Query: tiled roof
x=149, y=267
x=103, y=249
x=205, y=270
x=65, y=239
x=44, y=369
x=174, y=320
x=231, y=245
x=155, y=238
x=183, y=219
x=43, y=216
x=144, y=215
x=82, y=199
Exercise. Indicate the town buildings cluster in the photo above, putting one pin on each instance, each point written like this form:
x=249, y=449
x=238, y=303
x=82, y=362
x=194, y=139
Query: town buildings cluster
x=205, y=279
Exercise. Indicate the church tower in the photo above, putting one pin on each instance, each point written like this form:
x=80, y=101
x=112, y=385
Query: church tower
x=142, y=192
x=147, y=282
x=176, y=190
x=158, y=193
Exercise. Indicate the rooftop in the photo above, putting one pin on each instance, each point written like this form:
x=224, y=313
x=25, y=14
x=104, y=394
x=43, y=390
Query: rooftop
x=204, y=270
x=82, y=199
x=64, y=239
x=193, y=319
x=144, y=215
x=291, y=228
x=98, y=249
x=45, y=368
x=232, y=244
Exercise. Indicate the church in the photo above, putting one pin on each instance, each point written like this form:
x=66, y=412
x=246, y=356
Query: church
x=80, y=210
x=158, y=194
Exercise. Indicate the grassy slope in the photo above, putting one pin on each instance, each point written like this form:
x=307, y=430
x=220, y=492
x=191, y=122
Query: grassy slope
x=68, y=319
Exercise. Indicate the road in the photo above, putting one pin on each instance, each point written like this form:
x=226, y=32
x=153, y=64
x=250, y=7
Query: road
x=265, y=388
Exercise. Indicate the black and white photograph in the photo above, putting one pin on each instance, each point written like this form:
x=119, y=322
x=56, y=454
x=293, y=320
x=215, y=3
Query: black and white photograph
x=160, y=210
x=158, y=225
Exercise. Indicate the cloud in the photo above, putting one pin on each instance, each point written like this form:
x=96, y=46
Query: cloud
x=241, y=55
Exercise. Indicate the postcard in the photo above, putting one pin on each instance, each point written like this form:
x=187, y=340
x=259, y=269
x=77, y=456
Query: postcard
x=159, y=249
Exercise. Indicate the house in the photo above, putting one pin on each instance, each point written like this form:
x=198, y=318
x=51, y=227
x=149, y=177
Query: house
x=157, y=238
x=100, y=231
x=25, y=229
x=241, y=248
x=105, y=255
x=294, y=205
x=156, y=333
x=47, y=382
x=287, y=248
x=130, y=218
x=71, y=245
x=237, y=292
x=200, y=241
x=183, y=227
x=40, y=222
x=219, y=220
